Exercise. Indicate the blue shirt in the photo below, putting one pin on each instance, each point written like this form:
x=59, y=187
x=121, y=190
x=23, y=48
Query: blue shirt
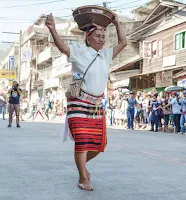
x=131, y=102
x=105, y=103
x=176, y=106
x=183, y=104
x=155, y=104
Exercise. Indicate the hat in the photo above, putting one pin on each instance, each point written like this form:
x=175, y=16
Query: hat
x=149, y=94
x=131, y=92
x=174, y=93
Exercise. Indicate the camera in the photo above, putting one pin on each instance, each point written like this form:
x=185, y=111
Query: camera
x=16, y=86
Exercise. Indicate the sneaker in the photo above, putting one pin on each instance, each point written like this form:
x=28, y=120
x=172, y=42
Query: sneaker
x=152, y=130
x=132, y=129
x=18, y=126
x=9, y=126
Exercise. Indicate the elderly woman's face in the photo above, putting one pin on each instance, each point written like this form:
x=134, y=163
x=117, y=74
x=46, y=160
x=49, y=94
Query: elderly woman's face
x=97, y=39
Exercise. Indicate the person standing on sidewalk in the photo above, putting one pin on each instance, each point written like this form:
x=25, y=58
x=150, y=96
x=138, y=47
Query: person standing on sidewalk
x=112, y=109
x=2, y=105
x=155, y=113
x=14, y=103
x=183, y=113
x=132, y=102
x=85, y=114
x=176, y=110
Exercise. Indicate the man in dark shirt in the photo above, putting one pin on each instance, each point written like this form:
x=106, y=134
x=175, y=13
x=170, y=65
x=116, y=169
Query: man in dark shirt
x=14, y=101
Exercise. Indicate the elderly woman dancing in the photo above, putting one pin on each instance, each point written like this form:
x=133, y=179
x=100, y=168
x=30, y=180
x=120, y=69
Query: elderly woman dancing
x=85, y=114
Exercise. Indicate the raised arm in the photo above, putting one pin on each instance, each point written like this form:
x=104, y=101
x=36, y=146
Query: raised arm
x=122, y=41
x=19, y=91
x=57, y=40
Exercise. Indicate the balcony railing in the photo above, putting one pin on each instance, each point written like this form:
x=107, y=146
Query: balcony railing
x=32, y=32
x=36, y=50
x=62, y=70
x=51, y=83
x=49, y=53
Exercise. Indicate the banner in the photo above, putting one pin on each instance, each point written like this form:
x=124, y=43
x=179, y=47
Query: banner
x=7, y=74
x=26, y=54
x=11, y=63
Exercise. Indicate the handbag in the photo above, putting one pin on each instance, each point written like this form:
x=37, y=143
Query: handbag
x=75, y=87
x=167, y=111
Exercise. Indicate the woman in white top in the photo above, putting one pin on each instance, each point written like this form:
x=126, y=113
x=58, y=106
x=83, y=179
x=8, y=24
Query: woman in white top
x=85, y=114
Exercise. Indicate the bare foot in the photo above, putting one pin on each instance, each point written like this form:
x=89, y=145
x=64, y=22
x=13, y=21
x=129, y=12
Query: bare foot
x=87, y=173
x=85, y=185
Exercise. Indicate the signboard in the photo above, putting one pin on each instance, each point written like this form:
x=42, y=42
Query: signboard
x=7, y=74
x=25, y=71
x=164, y=79
x=11, y=63
x=181, y=83
x=169, y=61
x=26, y=54
x=10, y=83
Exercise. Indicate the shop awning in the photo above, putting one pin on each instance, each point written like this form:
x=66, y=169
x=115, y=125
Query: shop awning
x=121, y=83
x=180, y=74
x=117, y=76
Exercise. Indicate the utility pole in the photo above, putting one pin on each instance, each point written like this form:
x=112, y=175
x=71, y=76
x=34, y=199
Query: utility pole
x=20, y=45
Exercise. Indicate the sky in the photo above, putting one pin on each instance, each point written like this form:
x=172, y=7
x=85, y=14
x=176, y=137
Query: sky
x=17, y=15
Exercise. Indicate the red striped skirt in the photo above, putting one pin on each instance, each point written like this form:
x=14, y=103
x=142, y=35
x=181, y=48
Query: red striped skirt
x=87, y=123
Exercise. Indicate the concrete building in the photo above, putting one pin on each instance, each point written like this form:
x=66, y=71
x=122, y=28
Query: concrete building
x=39, y=81
x=6, y=61
x=162, y=44
x=127, y=63
x=9, y=62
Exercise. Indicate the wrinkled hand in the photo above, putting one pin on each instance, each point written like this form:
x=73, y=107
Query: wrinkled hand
x=115, y=21
x=50, y=23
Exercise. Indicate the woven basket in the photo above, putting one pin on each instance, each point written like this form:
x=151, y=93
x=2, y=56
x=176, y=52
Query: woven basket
x=86, y=16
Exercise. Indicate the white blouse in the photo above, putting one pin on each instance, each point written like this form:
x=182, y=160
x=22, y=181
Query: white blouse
x=97, y=76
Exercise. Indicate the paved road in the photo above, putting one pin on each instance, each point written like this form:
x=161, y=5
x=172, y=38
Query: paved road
x=137, y=165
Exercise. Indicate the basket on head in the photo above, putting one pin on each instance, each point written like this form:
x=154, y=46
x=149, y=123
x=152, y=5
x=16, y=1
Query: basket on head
x=86, y=16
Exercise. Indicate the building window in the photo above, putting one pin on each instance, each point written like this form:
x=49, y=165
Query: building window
x=153, y=49
x=160, y=48
x=180, y=41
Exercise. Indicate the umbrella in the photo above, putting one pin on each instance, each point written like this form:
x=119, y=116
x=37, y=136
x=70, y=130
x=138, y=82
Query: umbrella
x=173, y=88
x=125, y=90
